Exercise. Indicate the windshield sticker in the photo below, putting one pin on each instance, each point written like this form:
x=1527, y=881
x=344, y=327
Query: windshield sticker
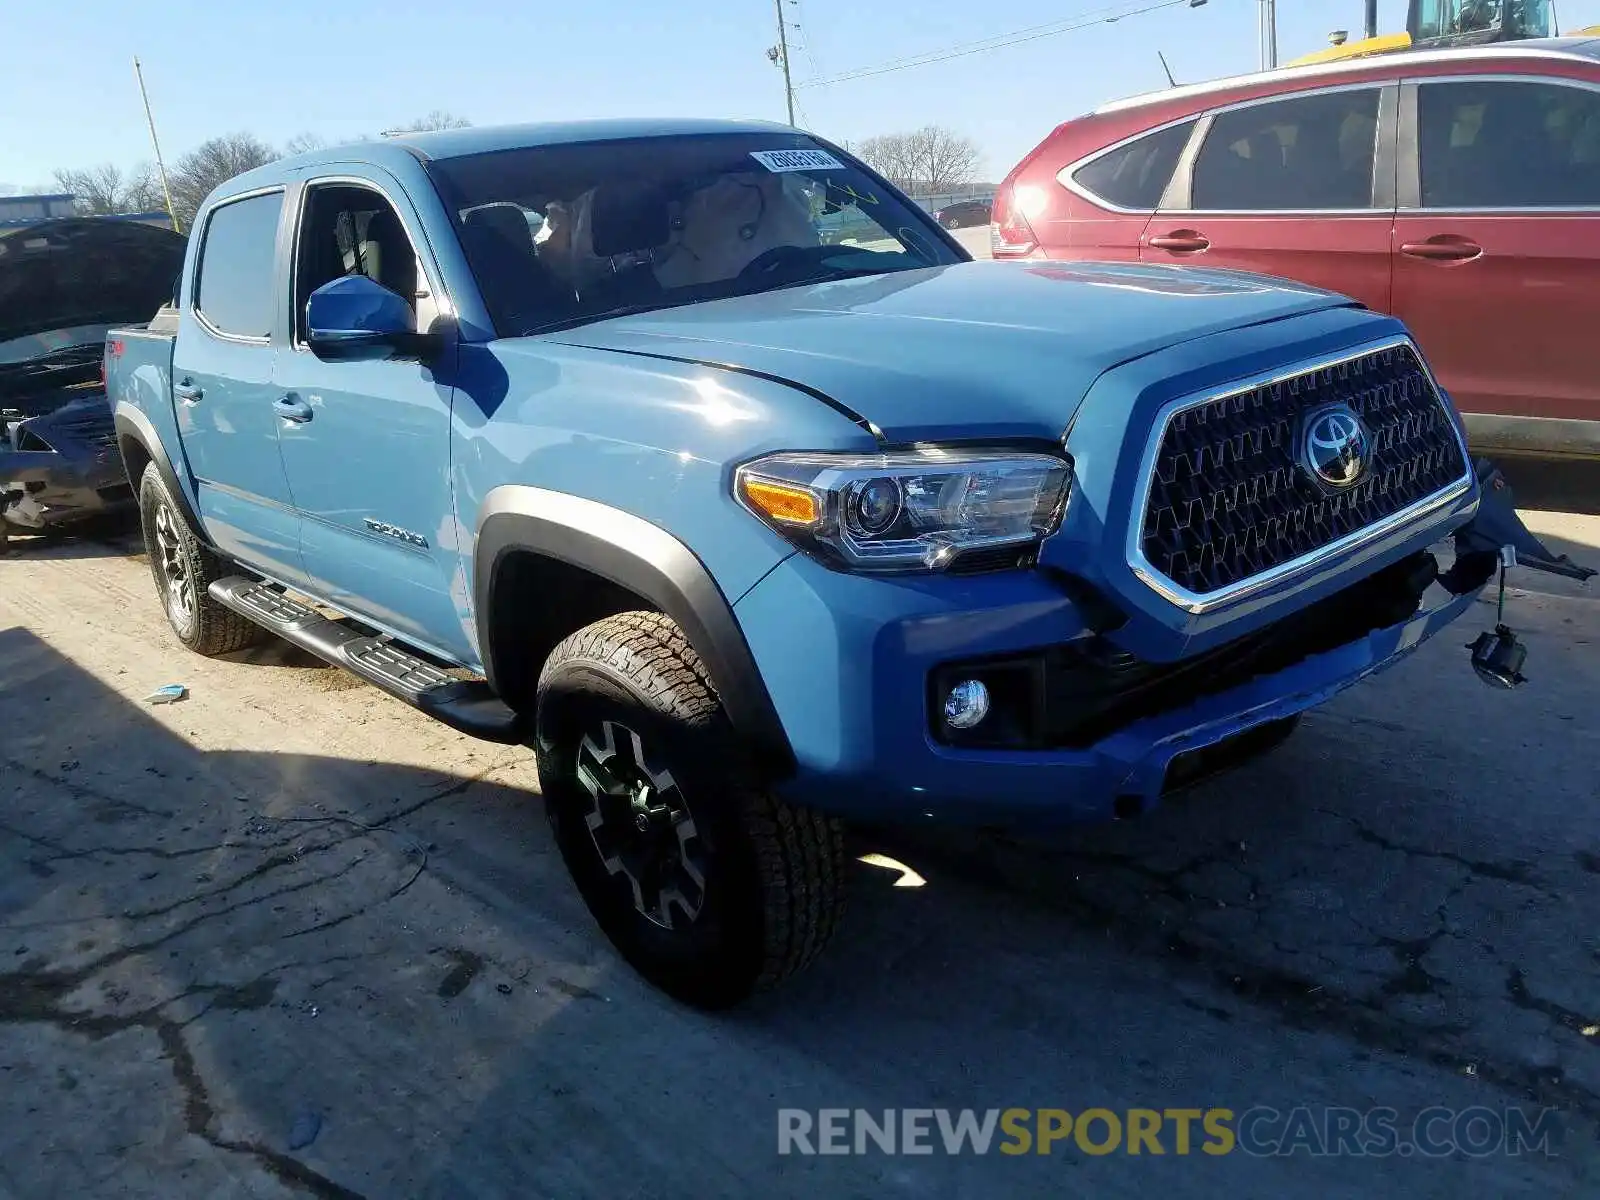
x=797, y=160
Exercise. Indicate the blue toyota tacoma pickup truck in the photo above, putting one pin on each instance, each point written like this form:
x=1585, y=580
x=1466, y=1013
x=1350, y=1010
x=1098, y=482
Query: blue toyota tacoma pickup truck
x=581, y=435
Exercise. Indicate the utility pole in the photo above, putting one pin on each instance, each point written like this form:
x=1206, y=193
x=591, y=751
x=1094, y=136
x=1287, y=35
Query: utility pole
x=1269, y=34
x=166, y=188
x=783, y=60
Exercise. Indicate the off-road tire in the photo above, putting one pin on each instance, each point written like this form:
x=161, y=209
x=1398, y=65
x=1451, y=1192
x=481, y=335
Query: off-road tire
x=774, y=877
x=210, y=629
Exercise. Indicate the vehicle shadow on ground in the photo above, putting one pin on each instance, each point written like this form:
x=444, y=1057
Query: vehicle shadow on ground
x=250, y=949
x=121, y=540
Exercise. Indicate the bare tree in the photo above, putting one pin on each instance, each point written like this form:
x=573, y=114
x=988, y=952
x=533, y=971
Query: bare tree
x=891, y=156
x=211, y=163
x=109, y=189
x=301, y=142
x=437, y=119
x=945, y=160
x=930, y=160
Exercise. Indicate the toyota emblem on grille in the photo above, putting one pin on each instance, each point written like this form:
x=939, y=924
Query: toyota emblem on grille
x=1335, y=446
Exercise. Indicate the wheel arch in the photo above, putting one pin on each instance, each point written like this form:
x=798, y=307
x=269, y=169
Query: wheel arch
x=582, y=541
x=140, y=447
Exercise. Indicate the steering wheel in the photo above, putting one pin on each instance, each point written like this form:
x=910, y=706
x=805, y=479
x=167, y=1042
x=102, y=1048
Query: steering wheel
x=771, y=262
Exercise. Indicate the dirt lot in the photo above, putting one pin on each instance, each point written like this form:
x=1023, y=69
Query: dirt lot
x=288, y=937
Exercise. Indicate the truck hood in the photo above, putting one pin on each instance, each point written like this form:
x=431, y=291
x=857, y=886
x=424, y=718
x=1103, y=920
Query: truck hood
x=1011, y=347
x=90, y=271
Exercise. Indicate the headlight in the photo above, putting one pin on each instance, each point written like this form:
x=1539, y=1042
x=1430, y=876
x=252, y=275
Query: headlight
x=914, y=511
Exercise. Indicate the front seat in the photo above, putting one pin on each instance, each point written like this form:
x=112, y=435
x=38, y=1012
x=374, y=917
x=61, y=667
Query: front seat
x=386, y=256
x=616, y=234
x=516, y=286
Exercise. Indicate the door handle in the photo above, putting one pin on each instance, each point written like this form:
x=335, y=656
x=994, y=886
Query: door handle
x=1446, y=247
x=292, y=408
x=1181, y=241
x=188, y=392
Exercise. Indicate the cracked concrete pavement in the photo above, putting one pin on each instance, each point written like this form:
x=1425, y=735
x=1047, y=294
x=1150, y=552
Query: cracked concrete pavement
x=290, y=938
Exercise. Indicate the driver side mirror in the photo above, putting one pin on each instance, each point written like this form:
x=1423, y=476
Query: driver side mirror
x=354, y=319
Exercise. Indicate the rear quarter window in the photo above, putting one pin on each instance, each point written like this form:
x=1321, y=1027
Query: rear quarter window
x=1136, y=174
x=236, y=287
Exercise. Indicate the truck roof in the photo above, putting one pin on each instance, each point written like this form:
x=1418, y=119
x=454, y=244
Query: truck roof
x=454, y=143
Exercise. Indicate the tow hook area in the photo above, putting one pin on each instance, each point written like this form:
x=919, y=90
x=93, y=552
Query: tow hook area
x=1494, y=539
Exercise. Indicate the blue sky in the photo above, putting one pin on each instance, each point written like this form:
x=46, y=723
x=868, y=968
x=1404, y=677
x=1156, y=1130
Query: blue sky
x=339, y=70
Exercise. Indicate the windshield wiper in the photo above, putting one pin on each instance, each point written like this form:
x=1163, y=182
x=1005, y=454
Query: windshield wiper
x=843, y=273
x=625, y=310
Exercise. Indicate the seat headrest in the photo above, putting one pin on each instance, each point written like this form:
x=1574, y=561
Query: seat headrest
x=628, y=218
x=507, y=220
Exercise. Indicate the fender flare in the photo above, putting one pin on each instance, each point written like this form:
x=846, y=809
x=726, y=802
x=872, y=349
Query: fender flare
x=132, y=425
x=647, y=560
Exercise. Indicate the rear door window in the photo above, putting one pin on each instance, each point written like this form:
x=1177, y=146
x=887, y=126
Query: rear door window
x=1303, y=153
x=1508, y=144
x=237, y=284
x=1134, y=175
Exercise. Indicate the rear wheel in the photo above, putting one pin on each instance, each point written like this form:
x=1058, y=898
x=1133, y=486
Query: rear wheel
x=708, y=884
x=183, y=568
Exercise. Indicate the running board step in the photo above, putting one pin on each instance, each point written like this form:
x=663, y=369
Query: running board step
x=466, y=705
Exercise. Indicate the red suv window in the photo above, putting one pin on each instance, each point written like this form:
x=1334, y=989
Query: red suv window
x=1304, y=152
x=1508, y=144
x=1134, y=175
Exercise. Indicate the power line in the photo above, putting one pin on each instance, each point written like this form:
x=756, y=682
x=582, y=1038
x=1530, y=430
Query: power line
x=1032, y=33
x=804, y=25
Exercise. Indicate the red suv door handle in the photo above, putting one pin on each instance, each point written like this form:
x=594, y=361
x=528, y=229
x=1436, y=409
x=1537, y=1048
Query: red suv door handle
x=1446, y=247
x=1181, y=241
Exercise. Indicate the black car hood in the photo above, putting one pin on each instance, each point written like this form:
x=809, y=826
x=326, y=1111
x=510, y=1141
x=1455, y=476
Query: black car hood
x=84, y=271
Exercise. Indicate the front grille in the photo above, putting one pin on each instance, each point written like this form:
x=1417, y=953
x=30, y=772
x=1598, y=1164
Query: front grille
x=1228, y=499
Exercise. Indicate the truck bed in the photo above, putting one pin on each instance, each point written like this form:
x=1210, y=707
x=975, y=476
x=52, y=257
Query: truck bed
x=138, y=371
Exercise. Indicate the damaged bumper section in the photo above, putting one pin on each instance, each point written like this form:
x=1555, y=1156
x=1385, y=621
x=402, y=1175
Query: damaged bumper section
x=1073, y=728
x=61, y=468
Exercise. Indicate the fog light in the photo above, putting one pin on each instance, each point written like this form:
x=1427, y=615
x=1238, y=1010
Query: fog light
x=1497, y=658
x=966, y=705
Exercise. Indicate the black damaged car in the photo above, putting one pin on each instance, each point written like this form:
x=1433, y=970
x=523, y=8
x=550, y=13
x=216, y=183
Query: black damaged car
x=62, y=285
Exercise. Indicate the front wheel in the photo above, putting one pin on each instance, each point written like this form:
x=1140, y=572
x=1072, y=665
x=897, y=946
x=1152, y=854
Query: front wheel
x=709, y=885
x=951, y=223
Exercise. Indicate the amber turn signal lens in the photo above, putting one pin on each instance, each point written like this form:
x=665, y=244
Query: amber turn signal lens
x=782, y=501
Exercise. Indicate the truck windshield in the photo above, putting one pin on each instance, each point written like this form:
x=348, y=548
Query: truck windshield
x=565, y=234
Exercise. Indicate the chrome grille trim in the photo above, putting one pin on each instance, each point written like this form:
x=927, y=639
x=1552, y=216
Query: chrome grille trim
x=1194, y=602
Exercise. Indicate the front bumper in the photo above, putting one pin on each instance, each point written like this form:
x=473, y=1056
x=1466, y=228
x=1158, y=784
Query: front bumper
x=847, y=662
x=44, y=497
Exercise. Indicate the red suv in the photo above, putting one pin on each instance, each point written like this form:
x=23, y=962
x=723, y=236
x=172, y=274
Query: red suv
x=1456, y=189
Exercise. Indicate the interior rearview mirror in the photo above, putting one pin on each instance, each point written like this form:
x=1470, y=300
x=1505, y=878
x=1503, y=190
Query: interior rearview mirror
x=352, y=318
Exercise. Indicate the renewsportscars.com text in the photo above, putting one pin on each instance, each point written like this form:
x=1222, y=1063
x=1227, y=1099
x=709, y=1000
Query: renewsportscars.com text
x=1261, y=1131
